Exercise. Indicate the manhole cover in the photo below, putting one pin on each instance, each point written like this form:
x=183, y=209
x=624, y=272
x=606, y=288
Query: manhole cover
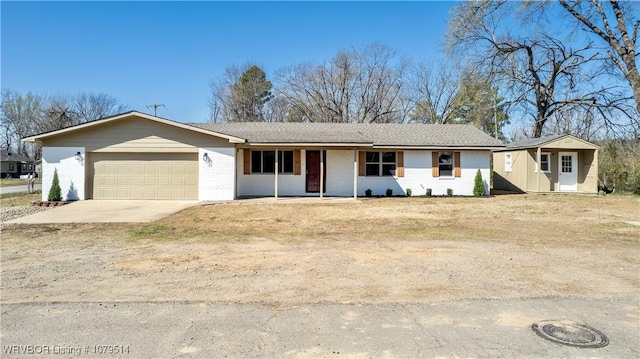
x=569, y=333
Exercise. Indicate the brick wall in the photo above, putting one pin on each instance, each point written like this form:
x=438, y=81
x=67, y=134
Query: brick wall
x=71, y=172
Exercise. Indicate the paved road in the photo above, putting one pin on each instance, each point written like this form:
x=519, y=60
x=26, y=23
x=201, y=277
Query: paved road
x=16, y=189
x=480, y=328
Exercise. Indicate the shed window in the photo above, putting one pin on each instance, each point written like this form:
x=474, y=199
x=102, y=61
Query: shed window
x=507, y=162
x=545, y=162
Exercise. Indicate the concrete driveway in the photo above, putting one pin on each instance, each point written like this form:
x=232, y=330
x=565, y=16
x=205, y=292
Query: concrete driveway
x=93, y=211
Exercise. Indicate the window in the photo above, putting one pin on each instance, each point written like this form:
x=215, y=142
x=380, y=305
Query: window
x=507, y=162
x=380, y=163
x=12, y=166
x=545, y=162
x=265, y=161
x=24, y=167
x=445, y=164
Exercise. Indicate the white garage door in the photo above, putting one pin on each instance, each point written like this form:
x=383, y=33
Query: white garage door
x=145, y=175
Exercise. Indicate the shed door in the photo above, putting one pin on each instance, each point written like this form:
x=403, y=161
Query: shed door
x=568, y=171
x=145, y=175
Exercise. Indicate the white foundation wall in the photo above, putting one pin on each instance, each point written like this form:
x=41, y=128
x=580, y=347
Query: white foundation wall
x=216, y=180
x=71, y=171
x=417, y=176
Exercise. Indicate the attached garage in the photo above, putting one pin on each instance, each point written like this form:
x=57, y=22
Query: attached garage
x=145, y=175
x=135, y=156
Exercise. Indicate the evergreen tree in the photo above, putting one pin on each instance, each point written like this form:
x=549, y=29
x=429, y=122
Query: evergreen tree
x=249, y=94
x=478, y=185
x=55, y=192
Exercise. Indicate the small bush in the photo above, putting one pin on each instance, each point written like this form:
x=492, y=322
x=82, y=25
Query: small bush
x=478, y=185
x=55, y=192
x=389, y=192
x=368, y=192
x=408, y=192
x=449, y=192
x=429, y=192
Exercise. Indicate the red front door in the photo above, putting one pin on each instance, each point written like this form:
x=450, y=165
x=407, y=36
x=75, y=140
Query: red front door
x=313, y=172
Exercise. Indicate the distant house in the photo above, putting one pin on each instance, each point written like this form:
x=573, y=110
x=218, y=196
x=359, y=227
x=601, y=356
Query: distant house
x=559, y=163
x=139, y=156
x=14, y=165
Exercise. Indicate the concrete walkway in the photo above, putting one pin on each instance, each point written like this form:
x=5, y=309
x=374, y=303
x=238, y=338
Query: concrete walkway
x=107, y=211
x=287, y=200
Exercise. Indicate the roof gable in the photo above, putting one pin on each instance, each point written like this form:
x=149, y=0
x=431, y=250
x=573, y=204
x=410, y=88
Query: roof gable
x=122, y=116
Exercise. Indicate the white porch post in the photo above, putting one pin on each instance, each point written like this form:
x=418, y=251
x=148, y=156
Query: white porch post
x=276, y=176
x=539, y=168
x=355, y=174
x=321, y=173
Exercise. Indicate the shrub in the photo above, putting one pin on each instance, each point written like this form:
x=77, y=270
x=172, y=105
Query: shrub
x=478, y=185
x=389, y=192
x=449, y=192
x=55, y=192
x=368, y=192
x=429, y=191
x=408, y=192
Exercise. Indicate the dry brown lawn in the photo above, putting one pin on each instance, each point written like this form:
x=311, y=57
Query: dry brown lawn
x=379, y=250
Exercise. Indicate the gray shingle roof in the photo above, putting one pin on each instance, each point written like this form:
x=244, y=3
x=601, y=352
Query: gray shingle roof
x=408, y=135
x=533, y=142
x=10, y=156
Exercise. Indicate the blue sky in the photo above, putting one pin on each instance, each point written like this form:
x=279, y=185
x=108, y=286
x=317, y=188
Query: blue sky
x=167, y=52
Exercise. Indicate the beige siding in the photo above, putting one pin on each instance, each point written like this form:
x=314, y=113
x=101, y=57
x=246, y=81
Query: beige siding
x=516, y=180
x=588, y=171
x=568, y=143
x=524, y=176
x=546, y=180
x=136, y=135
x=144, y=176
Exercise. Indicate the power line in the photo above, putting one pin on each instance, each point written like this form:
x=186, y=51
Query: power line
x=155, y=107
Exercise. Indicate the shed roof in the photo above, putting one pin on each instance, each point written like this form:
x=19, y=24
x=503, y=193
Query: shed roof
x=401, y=135
x=552, y=141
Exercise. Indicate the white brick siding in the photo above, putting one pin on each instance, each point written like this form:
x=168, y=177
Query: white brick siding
x=71, y=172
x=417, y=177
x=216, y=177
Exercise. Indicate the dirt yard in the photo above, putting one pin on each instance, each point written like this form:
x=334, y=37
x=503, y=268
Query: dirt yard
x=403, y=250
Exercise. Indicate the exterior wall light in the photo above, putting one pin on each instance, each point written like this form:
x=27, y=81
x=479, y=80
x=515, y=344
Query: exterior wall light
x=78, y=156
x=205, y=157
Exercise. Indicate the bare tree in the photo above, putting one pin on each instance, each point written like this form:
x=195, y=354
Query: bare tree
x=542, y=74
x=359, y=86
x=435, y=88
x=25, y=115
x=616, y=23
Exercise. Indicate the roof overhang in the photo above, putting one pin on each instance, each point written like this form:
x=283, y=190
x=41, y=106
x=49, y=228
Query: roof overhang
x=441, y=147
x=309, y=144
x=551, y=144
x=42, y=136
